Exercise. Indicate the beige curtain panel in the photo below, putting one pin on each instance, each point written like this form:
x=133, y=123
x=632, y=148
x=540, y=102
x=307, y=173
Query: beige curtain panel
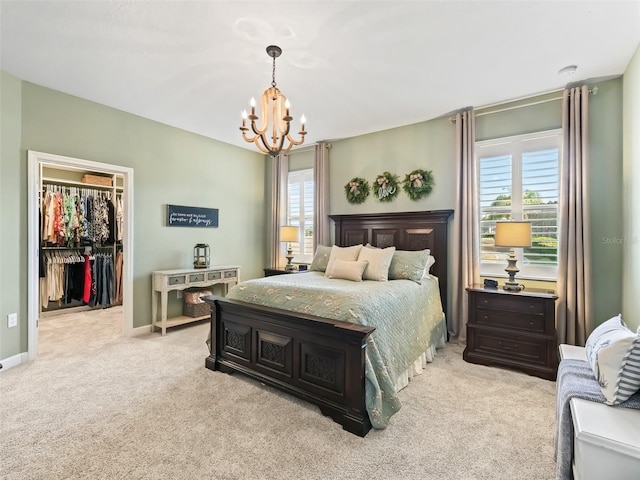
x=279, y=179
x=466, y=251
x=574, y=310
x=321, y=227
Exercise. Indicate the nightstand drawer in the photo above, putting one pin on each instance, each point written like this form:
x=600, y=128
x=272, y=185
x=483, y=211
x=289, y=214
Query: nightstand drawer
x=511, y=304
x=511, y=346
x=230, y=274
x=516, y=321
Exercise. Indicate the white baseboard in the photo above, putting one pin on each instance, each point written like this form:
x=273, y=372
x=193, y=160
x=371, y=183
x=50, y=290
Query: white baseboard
x=140, y=331
x=13, y=361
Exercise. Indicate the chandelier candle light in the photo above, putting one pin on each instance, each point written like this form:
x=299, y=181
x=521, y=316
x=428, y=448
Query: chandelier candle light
x=513, y=234
x=275, y=117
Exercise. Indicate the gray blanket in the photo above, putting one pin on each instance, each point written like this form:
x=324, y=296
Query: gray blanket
x=575, y=380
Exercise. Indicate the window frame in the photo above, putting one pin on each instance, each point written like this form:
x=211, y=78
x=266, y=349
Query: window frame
x=301, y=177
x=516, y=146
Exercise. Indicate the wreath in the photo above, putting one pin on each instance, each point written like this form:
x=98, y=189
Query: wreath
x=418, y=184
x=386, y=187
x=357, y=190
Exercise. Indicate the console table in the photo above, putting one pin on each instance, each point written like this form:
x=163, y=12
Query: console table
x=165, y=281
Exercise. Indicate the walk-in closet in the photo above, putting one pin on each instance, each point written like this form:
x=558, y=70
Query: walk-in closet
x=81, y=221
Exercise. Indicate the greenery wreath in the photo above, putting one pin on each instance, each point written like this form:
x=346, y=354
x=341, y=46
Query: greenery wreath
x=357, y=190
x=385, y=187
x=418, y=184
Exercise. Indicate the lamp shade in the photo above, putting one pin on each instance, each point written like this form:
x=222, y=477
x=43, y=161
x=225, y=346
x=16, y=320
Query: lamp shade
x=513, y=234
x=288, y=233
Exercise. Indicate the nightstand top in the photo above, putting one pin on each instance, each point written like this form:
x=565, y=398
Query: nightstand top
x=527, y=292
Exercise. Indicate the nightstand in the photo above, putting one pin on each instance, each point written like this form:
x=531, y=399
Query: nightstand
x=269, y=272
x=513, y=329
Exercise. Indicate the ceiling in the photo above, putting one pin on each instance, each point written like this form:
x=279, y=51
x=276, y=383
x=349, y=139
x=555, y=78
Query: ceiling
x=351, y=67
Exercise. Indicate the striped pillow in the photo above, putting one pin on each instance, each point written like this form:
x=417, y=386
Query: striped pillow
x=614, y=354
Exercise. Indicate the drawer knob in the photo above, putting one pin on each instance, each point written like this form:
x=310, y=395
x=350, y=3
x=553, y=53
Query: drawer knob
x=486, y=317
x=531, y=322
x=532, y=307
x=485, y=301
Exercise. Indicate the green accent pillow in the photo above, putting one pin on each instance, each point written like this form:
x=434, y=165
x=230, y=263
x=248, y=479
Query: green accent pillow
x=321, y=258
x=408, y=265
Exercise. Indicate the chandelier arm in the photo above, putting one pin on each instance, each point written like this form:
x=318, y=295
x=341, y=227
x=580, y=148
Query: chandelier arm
x=294, y=142
x=247, y=138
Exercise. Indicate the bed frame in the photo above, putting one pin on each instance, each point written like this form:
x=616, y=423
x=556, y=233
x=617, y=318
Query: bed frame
x=315, y=359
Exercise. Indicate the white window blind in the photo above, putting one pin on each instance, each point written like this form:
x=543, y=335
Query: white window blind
x=300, y=212
x=519, y=179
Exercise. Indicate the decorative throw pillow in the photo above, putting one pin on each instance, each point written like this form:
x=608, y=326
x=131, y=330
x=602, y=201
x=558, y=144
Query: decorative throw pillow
x=321, y=258
x=614, y=354
x=379, y=260
x=408, y=265
x=342, y=253
x=348, y=269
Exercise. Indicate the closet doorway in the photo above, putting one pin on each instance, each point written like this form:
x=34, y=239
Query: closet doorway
x=39, y=165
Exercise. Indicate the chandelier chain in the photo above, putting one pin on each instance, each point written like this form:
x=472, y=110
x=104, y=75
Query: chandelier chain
x=273, y=73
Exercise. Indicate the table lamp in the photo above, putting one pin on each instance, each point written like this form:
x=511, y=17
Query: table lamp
x=289, y=234
x=513, y=234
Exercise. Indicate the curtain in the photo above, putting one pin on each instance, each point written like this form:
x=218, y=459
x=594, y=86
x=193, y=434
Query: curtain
x=466, y=249
x=321, y=228
x=278, y=211
x=574, y=246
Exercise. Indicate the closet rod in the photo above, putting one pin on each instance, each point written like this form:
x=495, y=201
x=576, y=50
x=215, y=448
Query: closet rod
x=57, y=166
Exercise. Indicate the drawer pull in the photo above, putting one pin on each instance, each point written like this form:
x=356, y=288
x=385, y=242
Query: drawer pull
x=485, y=301
x=486, y=317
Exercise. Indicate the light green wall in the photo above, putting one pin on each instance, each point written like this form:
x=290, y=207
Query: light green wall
x=605, y=180
x=170, y=166
x=13, y=208
x=631, y=193
x=301, y=160
x=426, y=145
x=511, y=118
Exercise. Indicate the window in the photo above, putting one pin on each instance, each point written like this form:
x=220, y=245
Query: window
x=300, y=212
x=519, y=179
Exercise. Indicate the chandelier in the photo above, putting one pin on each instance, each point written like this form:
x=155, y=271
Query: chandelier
x=273, y=132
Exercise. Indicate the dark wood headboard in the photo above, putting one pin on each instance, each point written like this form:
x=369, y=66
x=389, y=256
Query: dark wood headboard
x=405, y=231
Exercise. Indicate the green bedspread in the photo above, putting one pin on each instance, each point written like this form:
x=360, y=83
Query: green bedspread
x=408, y=318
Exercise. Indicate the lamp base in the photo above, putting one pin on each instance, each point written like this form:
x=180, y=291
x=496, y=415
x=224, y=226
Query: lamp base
x=289, y=267
x=511, y=285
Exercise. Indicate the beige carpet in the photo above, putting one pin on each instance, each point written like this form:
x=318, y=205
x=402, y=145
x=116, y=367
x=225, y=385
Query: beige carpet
x=99, y=406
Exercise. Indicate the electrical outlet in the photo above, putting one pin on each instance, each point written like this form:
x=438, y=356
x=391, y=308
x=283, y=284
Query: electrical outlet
x=12, y=320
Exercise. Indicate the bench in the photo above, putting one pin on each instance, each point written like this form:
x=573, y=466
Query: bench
x=606, y=439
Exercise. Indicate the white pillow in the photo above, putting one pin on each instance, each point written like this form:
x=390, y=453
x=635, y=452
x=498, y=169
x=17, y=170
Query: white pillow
x=379, y=260
x=348, y=269
x=614, y=354
x=342, y=253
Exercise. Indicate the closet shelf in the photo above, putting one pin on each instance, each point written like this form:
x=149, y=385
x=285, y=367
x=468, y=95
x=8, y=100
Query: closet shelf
x=56, y=181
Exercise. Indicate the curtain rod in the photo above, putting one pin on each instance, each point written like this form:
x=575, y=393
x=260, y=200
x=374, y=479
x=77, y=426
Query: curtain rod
x=593, y=91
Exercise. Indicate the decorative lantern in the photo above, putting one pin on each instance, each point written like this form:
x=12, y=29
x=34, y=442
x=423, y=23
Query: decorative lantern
x=201, y=256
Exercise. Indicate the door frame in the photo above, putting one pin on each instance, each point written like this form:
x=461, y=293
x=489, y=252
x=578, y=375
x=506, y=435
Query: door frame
x=33, y=303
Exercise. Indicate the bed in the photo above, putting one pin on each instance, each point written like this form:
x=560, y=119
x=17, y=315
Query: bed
x=328, y=361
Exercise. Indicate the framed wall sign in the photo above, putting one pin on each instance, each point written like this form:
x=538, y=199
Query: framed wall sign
x=183, y=216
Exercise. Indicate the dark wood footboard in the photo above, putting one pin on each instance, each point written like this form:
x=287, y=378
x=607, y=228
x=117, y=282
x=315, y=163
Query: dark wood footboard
x=318, y=360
